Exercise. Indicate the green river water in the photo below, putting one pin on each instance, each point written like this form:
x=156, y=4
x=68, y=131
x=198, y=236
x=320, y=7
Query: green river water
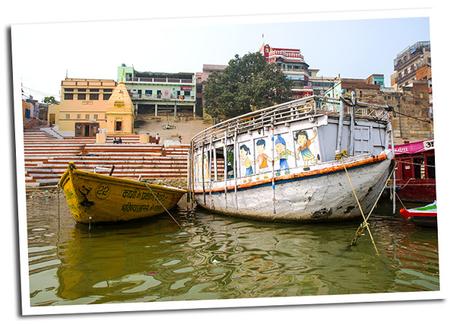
x=216, y=257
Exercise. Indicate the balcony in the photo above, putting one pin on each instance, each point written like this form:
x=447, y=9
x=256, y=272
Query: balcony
x=159, y=80
x=155, y=98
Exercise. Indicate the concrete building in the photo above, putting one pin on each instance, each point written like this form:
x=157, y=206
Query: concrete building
x=201, y=79
x=160, y=93
x=292, y=63
x=91, y=105
x=408, y=61
x=412, y=119
x=320, y=84
x=361, y=87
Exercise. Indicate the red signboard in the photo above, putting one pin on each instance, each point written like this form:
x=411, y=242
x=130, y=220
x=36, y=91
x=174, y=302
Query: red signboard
x=414, y=147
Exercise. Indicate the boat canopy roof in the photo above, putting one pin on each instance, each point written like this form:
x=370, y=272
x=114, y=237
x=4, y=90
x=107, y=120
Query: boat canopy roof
x=288, y=112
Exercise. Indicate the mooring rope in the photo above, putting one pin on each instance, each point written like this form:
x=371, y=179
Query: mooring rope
x=397, y=196
x=364, y=224
x=360, y=229
x=167, y=211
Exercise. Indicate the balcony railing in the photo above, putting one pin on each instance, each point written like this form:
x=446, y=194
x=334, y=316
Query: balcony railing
x=160, y=80
x=162, y=98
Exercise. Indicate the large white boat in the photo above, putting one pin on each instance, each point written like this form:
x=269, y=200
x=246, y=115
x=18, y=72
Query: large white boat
x=294, y=161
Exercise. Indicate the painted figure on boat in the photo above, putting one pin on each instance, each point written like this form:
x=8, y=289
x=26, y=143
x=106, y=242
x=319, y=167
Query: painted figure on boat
x=303, y=151
x=262, y=157
x=246, y=162
x=282, y=153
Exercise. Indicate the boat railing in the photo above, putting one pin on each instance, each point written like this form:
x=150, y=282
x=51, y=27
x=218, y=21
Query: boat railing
x=285, y=113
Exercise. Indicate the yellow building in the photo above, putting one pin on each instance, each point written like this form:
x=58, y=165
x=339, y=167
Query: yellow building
x=91, y=105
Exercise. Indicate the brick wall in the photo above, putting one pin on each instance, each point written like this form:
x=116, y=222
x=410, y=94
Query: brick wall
x=412, y=110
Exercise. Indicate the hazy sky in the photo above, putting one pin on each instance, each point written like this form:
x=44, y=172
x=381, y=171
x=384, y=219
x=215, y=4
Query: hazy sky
x=42, y=53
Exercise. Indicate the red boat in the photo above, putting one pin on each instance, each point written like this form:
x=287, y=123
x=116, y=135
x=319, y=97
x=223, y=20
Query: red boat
x=415, y=172
x=425, y=216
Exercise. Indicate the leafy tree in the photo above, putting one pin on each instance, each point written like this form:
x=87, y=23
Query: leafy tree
x=50, y=100
x=247, y=84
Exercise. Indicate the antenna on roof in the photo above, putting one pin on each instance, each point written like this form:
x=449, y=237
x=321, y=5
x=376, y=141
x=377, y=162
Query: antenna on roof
x=66, y=73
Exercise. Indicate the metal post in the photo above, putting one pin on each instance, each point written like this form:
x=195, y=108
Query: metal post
x=390, y=126
x=225, y=167
x=272, y=135
x=351, y=150
x=156, y=110
x=235, y=165
x=339, y=130
x=175, y=109
x=202, y=173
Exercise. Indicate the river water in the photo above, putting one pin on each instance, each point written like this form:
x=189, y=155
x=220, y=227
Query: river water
x=214, y=257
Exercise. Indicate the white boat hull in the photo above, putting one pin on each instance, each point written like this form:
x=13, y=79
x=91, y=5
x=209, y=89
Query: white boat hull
x=321, y=197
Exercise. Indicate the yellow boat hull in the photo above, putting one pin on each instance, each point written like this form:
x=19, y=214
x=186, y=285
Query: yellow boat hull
x=93, y=197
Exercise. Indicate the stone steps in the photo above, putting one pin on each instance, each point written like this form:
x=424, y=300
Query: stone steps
x=47, y=158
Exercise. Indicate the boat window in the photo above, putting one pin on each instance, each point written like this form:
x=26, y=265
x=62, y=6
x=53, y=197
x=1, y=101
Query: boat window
x=229, y=166
x=430, y=161
x=220, y=163
x=419, y=168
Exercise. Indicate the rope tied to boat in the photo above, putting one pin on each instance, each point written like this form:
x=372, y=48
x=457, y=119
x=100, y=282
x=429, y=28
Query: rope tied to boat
x=365, y=225
x=159, y=201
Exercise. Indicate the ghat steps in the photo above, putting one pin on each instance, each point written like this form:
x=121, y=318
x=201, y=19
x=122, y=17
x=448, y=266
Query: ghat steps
x=46, y=158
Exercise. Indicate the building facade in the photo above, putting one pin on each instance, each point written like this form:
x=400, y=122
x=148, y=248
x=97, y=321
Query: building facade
x=292, y=63
x=408, y=61
x=320, y=84
x=160, y=93
x=361, y=87
x=412, y=119
x=201, y=79
x=91, y=105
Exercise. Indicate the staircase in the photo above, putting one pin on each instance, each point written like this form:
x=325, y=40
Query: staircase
x=46, y=158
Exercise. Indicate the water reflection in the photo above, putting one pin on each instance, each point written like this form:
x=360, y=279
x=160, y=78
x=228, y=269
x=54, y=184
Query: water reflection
x=214, y=256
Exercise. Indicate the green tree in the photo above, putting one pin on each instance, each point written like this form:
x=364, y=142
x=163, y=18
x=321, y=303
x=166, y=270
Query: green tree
x=50, y=100
x=247, y=84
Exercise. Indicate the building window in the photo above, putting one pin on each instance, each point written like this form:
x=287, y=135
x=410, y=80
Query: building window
x=81, y=96
x=158, y=94
x=95, y=116
x=187, y=93
x=106, y=96
x=67, y=116
x=78, y=116
x=148, y=93
x=87, y=116
x=93, y=96
x=107, y=90
x=68, y=89
x=93, y=90
x=68, y=96
x=118, y=125
x=81, y=90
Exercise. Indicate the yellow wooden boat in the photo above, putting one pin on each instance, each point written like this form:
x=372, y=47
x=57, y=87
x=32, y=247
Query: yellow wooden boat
x=93, y=197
